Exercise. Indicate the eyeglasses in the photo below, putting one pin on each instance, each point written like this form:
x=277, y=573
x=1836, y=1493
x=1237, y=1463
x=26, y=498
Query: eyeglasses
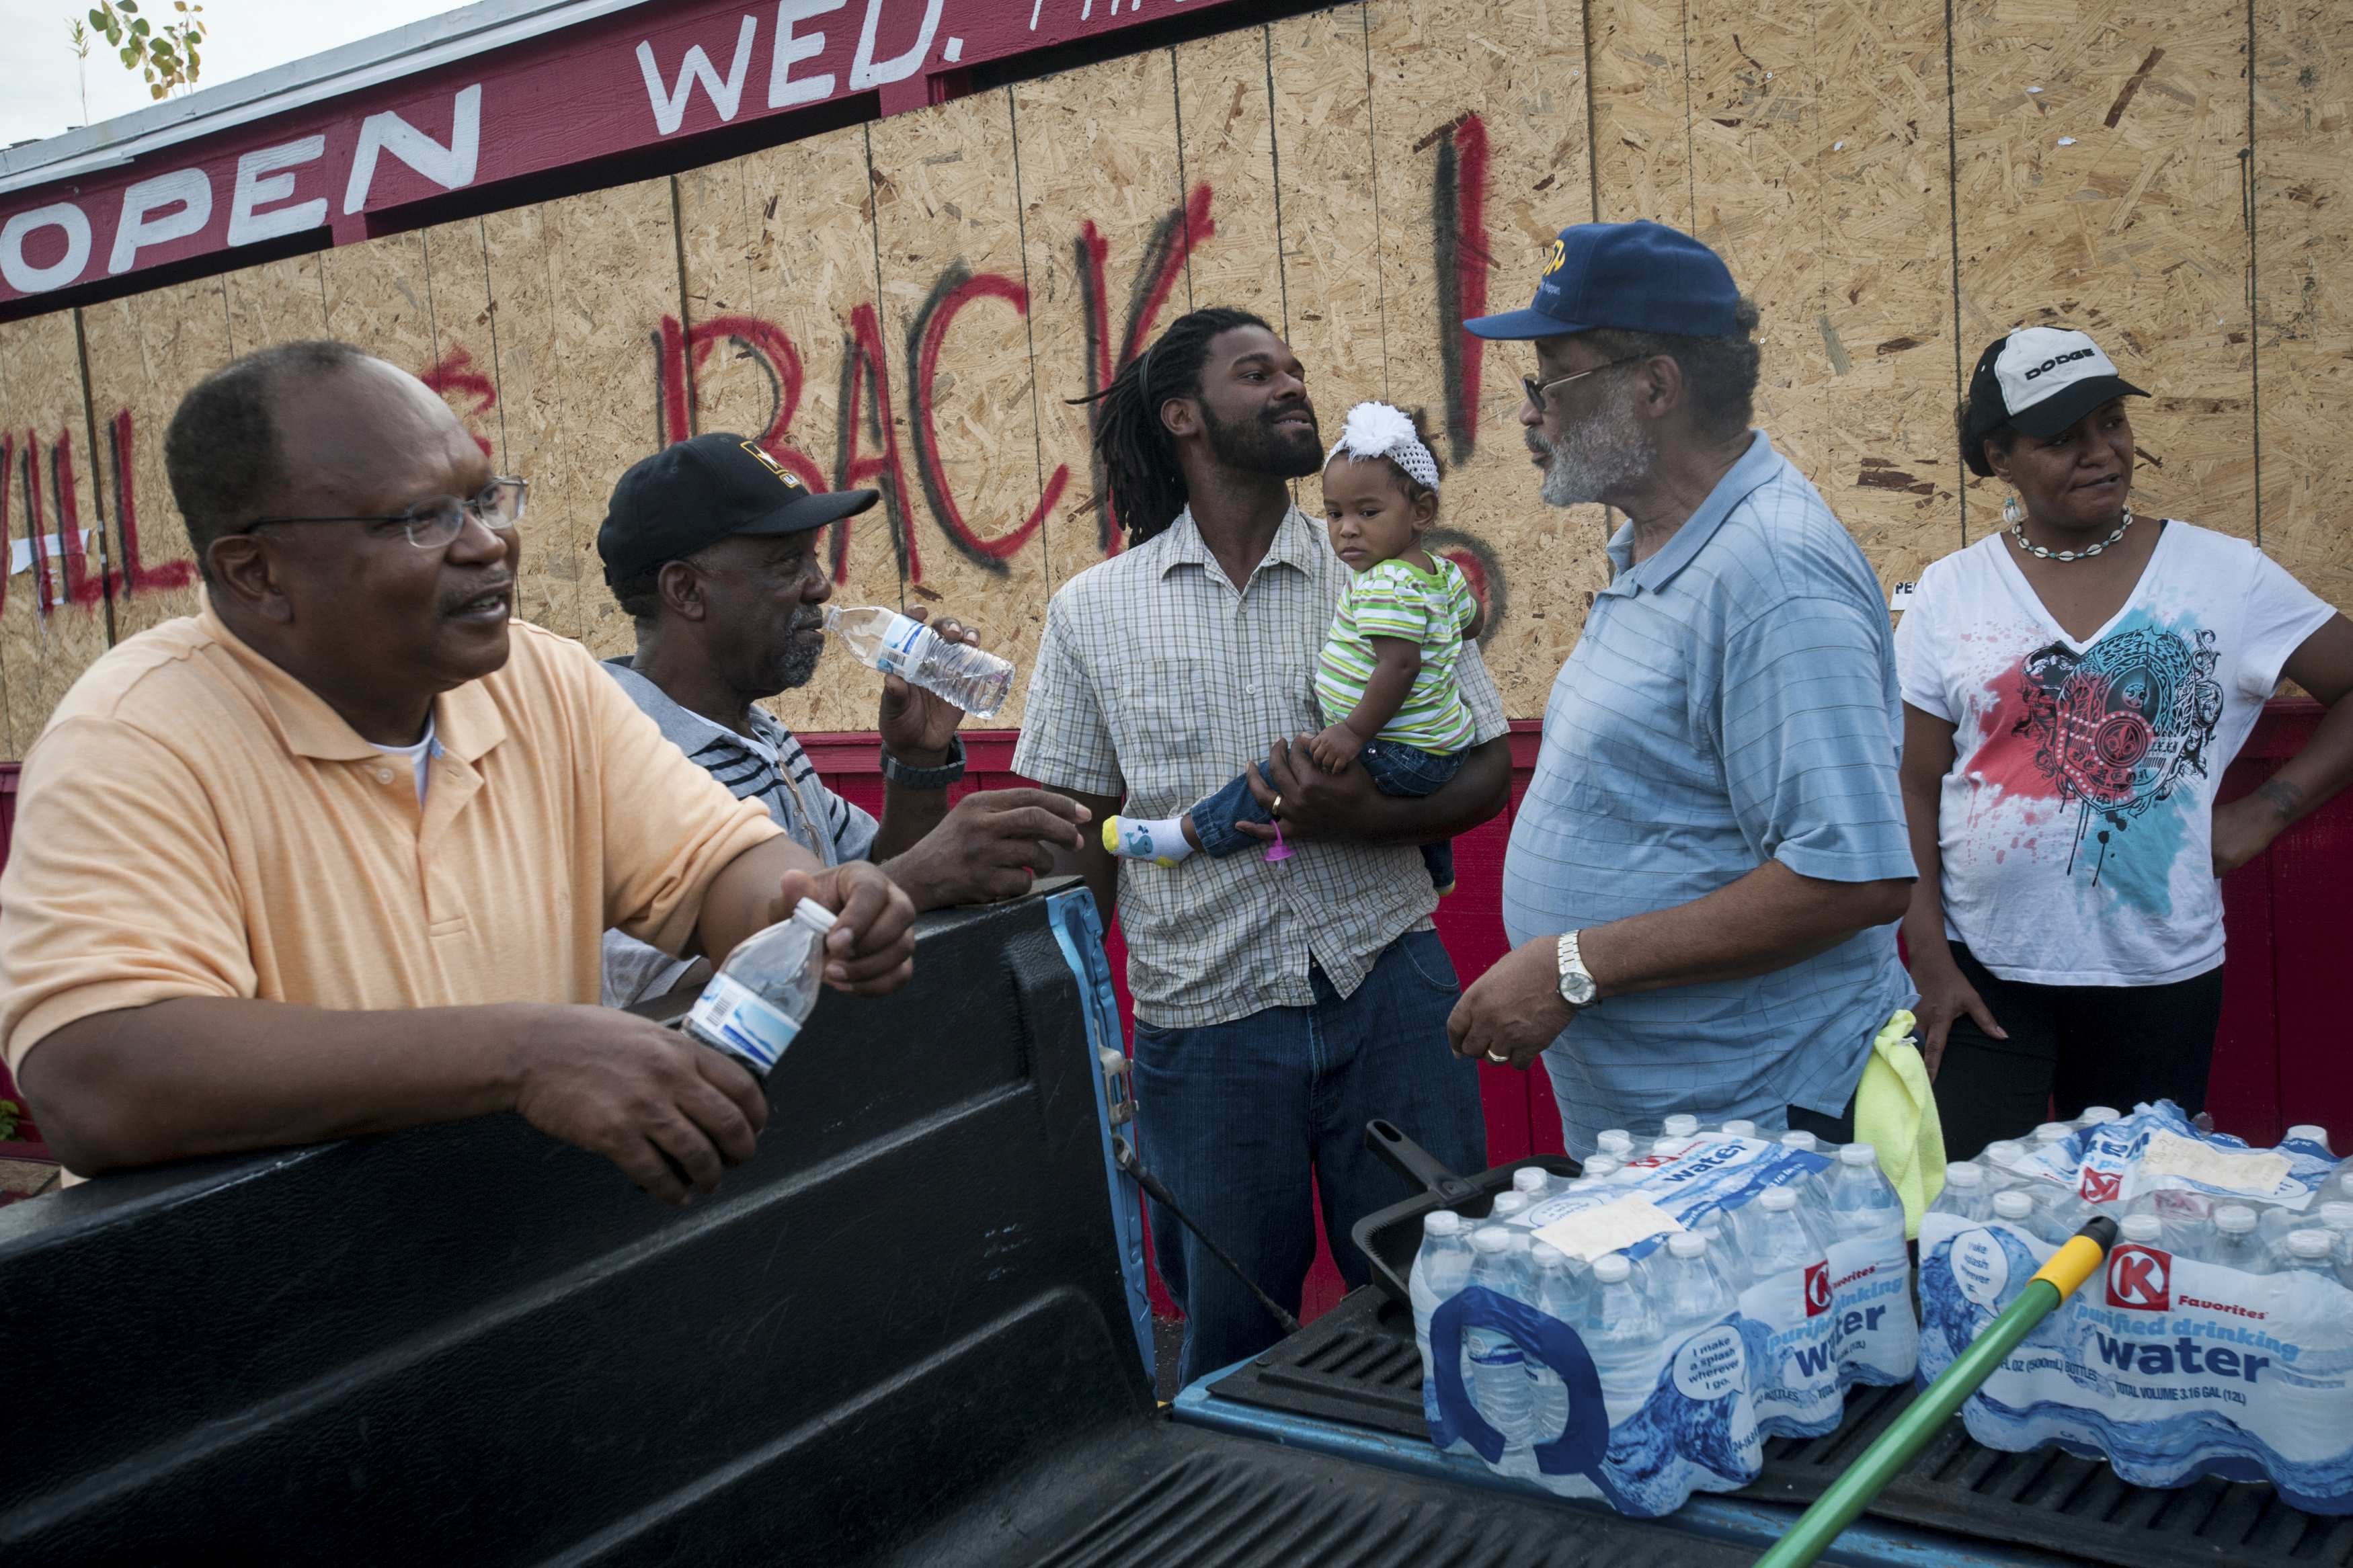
x=434, y=524
x=1536, y=389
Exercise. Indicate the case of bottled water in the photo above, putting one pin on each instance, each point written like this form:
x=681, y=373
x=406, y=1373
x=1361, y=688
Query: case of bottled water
x=1635, y=1336
x=2216, y=1340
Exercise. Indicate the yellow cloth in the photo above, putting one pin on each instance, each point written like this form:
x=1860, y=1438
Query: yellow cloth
x=1895, y=1113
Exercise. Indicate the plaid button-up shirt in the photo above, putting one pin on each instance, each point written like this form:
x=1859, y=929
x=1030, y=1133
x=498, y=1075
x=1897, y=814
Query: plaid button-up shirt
x=1158, y=678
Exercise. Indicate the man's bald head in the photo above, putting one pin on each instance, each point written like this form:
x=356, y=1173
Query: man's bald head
x=225, y=450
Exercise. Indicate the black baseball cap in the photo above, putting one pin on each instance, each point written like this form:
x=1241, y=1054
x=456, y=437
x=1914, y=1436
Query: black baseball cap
x=700, y=491
x=2041, y=380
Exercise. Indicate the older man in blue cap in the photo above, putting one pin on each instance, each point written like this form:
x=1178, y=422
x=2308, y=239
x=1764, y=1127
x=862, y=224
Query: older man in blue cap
x=1703, y=879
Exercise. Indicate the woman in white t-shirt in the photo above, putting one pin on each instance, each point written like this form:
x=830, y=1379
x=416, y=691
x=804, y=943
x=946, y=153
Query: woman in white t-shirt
x=2074, y=687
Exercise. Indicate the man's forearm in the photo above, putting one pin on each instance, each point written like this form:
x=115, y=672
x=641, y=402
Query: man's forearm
x=1769, y=919
x=211, y=1075
x=908, y=815
x=1480, y=788
x=744, y=896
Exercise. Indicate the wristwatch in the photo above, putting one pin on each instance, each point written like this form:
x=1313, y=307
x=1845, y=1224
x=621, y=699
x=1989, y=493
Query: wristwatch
x=898, y=773
x=1576, y=984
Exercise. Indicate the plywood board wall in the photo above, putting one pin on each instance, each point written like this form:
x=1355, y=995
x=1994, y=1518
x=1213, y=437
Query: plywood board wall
x=908, y=305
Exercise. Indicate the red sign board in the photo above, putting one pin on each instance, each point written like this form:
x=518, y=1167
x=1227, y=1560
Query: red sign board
x=641, y=77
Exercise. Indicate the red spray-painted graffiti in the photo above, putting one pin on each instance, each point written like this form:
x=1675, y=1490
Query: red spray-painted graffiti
x=1459, y=219
x=454, y=374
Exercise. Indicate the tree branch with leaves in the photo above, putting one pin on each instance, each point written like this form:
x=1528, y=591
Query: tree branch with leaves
x=168, y=56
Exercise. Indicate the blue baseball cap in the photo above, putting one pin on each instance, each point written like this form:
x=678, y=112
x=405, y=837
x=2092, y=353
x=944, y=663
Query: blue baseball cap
x=1634, y=276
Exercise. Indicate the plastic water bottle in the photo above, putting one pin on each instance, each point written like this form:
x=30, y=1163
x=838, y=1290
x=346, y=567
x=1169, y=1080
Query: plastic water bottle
x=2141, y=1229
x=1498, y=1371
x=2000, y=1159
x=2015, y=1207
x=1965, y=1194
x=1692, y=1291
x=973, y=678
x=1740, y=1127
x=2308, y=1132
x=1776, y=1235
x=1439, y=1270
x=1533, y=1181
x=764, y=992
x=1805, y=1141
x=2188, y=1221
x=2336, y=1218
x=1863, y=1204
x=1508, y=1205
x=1679, y=1126
x=1551, y=1286
x=2310, y=1252
x=2051, y=1132
x=1623, y=1335
x=2237, y=1244
x=1615, y=1141
x=1601, y=1167
x=2095, y=1114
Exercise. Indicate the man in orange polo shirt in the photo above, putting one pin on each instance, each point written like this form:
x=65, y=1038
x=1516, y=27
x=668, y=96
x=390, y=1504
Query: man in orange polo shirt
x=334, y=854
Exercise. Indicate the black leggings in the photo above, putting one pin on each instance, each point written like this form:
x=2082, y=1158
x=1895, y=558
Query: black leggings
x=2076, y=1044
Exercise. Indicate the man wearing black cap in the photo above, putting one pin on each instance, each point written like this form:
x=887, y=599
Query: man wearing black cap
x=710, y=546
x=1703, y=874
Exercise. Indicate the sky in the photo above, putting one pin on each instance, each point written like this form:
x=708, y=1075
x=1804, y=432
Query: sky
x=40, y=96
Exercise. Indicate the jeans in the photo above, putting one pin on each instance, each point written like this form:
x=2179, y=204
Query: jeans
x=1399, y=770
x=2076, y=1046
x=1236, y=1117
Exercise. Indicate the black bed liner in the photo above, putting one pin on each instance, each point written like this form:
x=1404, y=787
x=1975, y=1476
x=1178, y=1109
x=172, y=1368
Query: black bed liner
x=1357, y=1364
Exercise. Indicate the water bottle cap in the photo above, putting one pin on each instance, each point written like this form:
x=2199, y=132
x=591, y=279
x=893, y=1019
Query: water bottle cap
x=1668, y=1146
x=2310, y=1243
x=1679, y=1126
x=2137, y=1226
x=1602, y=1165
x=2307, y=1132
x=1687, y=1244
x=1444, y=1221
x=1798, y=1140
x=2337, y=1215
x=1546, y=1257
x=2052, y=1131
x=2004, y=1151
x=1964, y=1174
x=2236, y=1219
x=1531, y=1180
x=1741, y=1128
x=1616, y=1138
x=1584, y=1185
x=1508, y=1204
x=814, y=915
x=1773, y=1200
x=2012, y=1205
x=2095, y=1114
x=1489, y=1238
x=1858, y=1154
x=1611, y=1267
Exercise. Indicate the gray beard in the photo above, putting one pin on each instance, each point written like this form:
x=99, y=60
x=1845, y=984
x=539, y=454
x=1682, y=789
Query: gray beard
x=1606, y=453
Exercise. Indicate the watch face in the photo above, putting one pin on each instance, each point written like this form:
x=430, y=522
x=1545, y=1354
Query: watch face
x=1576, y=990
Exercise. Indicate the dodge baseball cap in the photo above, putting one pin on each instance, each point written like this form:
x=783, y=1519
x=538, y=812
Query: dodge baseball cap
x=700, y=491
x=1633, y=277
x=2041, y=380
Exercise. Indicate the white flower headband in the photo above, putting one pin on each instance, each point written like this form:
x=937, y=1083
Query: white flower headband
x=1380, y=430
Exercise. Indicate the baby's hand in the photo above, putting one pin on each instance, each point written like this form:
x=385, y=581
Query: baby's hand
x=1335, y=748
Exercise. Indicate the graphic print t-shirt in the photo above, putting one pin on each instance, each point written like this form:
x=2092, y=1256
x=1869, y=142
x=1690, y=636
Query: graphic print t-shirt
x=2076, y=825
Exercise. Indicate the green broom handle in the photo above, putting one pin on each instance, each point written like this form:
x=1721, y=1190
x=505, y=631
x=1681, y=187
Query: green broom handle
x=1847, y=1496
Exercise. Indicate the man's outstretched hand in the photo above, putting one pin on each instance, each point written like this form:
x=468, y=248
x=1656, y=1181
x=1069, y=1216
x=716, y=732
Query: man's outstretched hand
x=991, y=845
x=1509, y=1015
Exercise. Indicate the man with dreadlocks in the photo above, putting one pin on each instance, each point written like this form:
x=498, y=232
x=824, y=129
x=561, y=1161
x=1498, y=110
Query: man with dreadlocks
x=1278, y=1008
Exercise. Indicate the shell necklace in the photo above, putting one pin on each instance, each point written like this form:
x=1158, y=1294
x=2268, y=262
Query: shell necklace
x=2018, y=531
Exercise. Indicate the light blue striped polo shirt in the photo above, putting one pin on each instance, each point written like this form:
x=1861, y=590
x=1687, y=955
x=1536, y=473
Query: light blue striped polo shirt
x=1733, y=697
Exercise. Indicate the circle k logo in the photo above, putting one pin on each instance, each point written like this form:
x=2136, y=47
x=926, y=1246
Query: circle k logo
x=2101, y=1186
x=2139, y=1279
x=1818, y=1288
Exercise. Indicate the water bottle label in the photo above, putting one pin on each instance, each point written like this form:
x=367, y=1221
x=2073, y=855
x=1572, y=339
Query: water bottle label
x=739, y=1019
x=904, y=646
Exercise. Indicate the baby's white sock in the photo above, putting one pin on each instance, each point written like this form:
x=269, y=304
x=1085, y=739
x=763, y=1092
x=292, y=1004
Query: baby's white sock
x=1135, y=839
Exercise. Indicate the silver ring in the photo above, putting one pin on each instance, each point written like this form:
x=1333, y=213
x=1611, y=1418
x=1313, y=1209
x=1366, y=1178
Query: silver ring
x=1276, y=809
x=1499, y=1061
